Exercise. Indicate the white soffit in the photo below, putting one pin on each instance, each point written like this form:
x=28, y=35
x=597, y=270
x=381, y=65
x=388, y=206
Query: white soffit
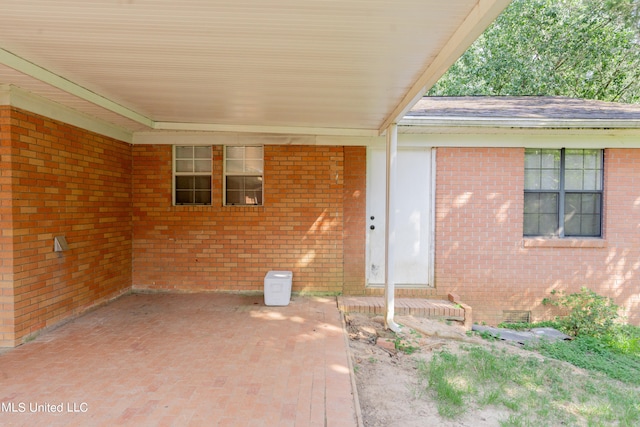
x=348, y=67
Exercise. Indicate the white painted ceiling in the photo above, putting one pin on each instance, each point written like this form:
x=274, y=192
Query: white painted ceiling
x=299, y=66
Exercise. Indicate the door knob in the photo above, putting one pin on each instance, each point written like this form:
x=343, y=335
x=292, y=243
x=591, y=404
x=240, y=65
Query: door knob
x=373, y=227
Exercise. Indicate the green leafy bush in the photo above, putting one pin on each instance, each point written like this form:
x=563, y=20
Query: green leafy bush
x=624, y=339
x=589, y=314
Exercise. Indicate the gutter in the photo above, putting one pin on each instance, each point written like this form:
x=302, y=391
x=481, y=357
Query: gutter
x=529, y=123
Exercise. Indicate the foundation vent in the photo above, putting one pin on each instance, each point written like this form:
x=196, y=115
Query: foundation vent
x=516, y=316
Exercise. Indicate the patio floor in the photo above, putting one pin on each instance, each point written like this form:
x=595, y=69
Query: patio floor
x=184, y=360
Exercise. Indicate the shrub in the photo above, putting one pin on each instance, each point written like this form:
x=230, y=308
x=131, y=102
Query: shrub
x=624, y=339
x=590, y=314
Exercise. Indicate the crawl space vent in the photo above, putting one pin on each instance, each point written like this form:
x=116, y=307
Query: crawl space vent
x=516, y=316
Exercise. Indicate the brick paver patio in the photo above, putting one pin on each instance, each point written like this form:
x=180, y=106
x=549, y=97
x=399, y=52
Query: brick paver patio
x=184, y=360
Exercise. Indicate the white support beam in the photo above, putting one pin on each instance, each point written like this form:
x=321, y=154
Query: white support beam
x=390, y=227
x=22, y=65
x=19, y=98
x=480, y=17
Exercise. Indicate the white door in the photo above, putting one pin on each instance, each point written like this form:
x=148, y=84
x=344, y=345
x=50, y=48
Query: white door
x=413, y=217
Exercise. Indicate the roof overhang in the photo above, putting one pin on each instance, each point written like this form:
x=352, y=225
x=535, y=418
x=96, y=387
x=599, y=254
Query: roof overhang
x=283, y=67
x=483, y=114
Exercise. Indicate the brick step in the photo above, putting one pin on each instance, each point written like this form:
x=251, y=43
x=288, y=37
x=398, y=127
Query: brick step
x=432, y=309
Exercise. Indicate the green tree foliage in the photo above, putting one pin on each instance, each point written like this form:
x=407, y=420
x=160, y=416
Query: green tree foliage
x=577, y=48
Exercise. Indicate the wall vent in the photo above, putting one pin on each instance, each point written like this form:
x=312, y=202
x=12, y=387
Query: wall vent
x=60, y=244
x=516, y=316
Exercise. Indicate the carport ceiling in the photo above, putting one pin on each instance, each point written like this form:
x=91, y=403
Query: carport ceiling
x=300, y=66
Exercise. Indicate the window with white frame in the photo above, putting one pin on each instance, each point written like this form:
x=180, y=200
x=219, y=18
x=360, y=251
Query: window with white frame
x=192, y=175
x=563, y=192
x=243, y=173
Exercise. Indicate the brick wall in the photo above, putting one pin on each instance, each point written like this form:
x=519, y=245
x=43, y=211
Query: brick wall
x=355, y=183
x=482, y=256
x=7, y=336
x=61, y=180
x=301, y=226
x=112, y=201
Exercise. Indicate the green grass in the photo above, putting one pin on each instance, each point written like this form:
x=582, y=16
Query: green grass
x=407, y=342
x=539, y=389
x=535, y=390
x=596, y=355
x=615, y=354
x=527, y=326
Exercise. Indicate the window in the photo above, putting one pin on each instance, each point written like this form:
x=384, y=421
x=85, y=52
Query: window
x=243, y=167
x=563, y=192
x=192, y=175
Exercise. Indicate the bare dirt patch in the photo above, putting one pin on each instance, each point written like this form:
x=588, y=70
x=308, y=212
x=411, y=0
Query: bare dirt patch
x=390, y=390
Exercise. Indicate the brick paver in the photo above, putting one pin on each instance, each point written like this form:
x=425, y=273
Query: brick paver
x=184, y=360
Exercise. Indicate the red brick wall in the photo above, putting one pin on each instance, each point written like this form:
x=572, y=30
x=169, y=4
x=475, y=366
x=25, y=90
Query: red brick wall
x=71, y=182
x=480, y=251
x=112, y=201
x=7, y=336
x=301, y=226
x=355, y=184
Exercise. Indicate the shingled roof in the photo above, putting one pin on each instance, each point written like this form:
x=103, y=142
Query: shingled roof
x=522, y=111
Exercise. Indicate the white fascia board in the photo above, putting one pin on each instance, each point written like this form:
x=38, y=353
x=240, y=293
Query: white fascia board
x=235, y=138
x=353, y=141
x=522, y=140
x=5, y=94
x=527, y=123
x=19, y=64
x=19, y=98
x=287, y=130
x=218, y=138
x=480, y=17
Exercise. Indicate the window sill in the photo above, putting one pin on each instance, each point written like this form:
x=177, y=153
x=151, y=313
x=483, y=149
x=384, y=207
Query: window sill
x=541, y=242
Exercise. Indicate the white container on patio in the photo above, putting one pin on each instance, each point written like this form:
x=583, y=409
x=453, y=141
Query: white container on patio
x=277, y=287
